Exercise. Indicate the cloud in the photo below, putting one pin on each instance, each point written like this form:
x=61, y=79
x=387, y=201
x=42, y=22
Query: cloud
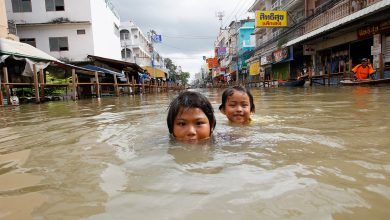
x=188, y=27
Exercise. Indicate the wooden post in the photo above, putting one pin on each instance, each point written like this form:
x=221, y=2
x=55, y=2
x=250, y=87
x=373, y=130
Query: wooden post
x=42, y=79
x=128, y=82
x=1, y=91
x=7, y=90
x=133, y=84
x=116, y=85
x=36, y=85
x=97, y=85
x=74, y=85
x=143, y=86
x=381, y=66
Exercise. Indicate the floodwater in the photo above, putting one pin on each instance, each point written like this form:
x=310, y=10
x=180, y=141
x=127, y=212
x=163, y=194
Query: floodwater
x=310, y=153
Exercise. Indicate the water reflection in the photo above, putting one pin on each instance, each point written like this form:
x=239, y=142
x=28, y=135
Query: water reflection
x=310, y=153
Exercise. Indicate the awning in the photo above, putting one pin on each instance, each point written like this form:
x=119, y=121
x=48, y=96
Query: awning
x=154, y=72
x=254, y=68
x=359, y=14
x=10, y=47
x=116, y=64
x=120, y=76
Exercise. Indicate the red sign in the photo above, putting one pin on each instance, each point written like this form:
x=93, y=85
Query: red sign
x=280, y=55
x=212, y=62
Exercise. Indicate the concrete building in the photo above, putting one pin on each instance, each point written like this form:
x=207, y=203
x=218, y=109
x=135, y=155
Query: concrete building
x=7, y=29
x=136, y=47
x=66, y=29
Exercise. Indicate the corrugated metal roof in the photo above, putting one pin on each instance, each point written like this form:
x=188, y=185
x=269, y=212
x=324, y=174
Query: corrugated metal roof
x=18, y=49
x=349, y=18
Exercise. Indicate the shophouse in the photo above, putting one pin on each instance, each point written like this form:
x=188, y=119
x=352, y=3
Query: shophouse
x=338, y=34
x=66, y=29
x=271, y=58
x=7, y=29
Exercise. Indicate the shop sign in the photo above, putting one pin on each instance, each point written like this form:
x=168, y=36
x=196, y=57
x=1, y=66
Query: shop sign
x=266, y=60
x=254, y=68
x=271, y=18
x=212, y=62
x=221, y=51
x=371, y=30
x=280, y=55
x=309, y=49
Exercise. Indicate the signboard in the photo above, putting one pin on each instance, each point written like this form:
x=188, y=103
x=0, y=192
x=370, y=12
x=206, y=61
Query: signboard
x=212, y=62
x=271, y=18
x=266, y=60
x=157, y=38
x=371, y=30
x=280, y=55
x=221, y=51
x=309, y=49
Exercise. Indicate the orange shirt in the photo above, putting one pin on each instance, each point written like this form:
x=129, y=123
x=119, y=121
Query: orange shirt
x=363, y=72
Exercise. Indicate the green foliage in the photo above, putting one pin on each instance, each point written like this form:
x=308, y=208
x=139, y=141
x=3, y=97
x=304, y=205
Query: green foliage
x=184, y=76
x=172, y=68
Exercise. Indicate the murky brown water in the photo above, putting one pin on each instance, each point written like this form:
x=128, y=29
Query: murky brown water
x=311, y=153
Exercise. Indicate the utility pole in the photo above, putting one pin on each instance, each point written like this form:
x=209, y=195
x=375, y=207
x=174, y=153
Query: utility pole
x=151, y=35
x=220, y=15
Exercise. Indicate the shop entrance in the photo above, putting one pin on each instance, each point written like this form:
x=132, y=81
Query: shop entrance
x=361, y=49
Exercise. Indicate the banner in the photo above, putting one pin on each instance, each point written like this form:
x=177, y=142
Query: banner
x=271, y=18
x=254, y=68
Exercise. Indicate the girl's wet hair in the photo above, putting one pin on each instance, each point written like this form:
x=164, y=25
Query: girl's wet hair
x=190, y=100
x=228, y=92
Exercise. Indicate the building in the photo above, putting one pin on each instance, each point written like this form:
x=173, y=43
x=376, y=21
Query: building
x=7, y=29
x=66, y=29
x=327, y=36
x=136, y=47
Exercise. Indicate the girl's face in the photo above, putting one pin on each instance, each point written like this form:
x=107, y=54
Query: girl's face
x=237, y=108
x=191, y=125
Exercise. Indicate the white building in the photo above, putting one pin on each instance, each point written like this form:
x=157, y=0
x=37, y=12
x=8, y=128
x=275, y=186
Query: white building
x=136, y=47
x=68, y=29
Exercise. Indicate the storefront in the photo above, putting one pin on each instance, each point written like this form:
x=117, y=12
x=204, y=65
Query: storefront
x=281, y=63
x=266, y=66
x=254, y=71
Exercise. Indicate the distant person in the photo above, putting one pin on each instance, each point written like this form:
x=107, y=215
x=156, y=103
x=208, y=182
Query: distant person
x=237, y=105
x=363, y=70
x=14, y=99
x=191, y=117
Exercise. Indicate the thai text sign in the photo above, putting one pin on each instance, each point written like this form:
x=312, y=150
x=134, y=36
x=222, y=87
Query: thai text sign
x=271, y=18
x=212, y=62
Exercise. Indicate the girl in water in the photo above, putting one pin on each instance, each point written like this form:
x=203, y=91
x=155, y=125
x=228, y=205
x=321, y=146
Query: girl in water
x=191, y=117
x=237, y=105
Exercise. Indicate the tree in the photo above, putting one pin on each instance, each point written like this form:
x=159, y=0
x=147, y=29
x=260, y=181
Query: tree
x=171, y=69
x=184, y=76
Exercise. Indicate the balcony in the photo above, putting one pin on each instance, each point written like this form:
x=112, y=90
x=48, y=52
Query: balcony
x=338, y=11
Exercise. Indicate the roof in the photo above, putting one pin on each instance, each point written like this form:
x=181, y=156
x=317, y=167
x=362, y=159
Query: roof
x=18, y=49
x=154, y=72
x=117, y=64
x=119, y=75
x=359, y=14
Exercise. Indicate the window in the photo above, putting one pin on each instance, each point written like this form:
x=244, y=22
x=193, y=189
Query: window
x=125, y=34
x=116, y=30
x=21, y=6
x=126, y=53
x=81, y=31
x=55, y=5
x=30, y=41
x=58, y=43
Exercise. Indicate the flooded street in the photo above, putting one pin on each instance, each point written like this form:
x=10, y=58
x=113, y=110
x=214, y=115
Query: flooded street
x=310, y=153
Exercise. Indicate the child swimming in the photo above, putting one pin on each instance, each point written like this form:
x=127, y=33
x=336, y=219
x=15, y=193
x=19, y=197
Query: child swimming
x=191, y=117
x=237, y=105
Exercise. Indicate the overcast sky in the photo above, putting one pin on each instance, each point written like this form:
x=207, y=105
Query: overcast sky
x=188, y=27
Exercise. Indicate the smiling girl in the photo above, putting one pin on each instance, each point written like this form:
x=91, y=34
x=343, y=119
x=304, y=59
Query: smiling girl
x=237, y=105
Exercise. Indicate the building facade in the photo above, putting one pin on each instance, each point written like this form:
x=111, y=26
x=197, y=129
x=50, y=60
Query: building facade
x=136, y=47
x=66, y=29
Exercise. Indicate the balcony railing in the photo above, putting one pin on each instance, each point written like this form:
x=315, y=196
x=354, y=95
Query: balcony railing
x=340, y=10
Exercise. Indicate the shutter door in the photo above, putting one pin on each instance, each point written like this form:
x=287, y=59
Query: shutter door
x=387, y=50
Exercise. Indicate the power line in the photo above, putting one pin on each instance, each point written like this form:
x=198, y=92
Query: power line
x=190, y=37
x=167, y=45
x=230, y=15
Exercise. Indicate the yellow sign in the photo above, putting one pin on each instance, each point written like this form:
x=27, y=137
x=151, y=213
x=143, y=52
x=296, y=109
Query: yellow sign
x=271, y=18
x=254, y=68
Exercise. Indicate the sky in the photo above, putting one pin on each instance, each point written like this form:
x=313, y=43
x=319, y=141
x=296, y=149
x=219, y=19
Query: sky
x=188, y=27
